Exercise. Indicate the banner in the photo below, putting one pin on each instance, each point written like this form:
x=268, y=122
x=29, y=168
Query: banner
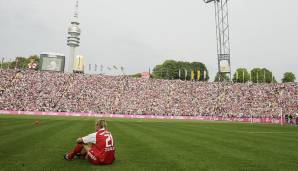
x=199, y=75
x=185, y=73
x=130, y=116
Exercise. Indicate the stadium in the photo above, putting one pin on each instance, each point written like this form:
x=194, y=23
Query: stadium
x=170, y=118
x=156, y=123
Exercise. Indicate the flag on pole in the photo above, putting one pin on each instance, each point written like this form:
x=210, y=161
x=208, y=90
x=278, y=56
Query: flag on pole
x=95, y=67
x=205, y=75
x=264, y=76
x=2, y=62
x=192, y=75
x=101, y=68
x=167, y=74
x=122, y=70
x=199, y=75
x=237, y=76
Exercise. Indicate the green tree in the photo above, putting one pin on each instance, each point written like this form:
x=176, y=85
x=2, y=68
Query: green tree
x=288, y=77
x=137, y=75
x=172, y=69
x=263, y=75
x=6, y=65
x=165, y=70
x=21, y=62
x=241, y=76
x=9, y=65
x=221, y=77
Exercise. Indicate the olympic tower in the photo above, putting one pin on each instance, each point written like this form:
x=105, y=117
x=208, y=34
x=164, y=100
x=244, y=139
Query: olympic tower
x=73, y=39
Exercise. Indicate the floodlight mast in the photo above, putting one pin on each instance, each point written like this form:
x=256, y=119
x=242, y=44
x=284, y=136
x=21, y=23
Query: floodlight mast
x=222, y=36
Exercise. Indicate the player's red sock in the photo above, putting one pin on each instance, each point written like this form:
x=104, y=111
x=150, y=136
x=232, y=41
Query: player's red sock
x=76, y=150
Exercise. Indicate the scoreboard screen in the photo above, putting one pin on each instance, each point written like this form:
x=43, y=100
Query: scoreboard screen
x=52, y=62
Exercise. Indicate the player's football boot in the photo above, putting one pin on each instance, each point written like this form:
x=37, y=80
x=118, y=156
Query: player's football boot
x=66, y=157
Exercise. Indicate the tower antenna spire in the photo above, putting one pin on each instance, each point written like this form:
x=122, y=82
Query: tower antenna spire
x=76, y=15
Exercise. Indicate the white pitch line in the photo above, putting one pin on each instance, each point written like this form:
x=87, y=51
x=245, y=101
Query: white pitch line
x=272, y=132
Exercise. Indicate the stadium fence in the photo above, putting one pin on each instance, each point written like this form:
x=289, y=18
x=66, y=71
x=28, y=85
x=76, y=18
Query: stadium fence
x=272, y=120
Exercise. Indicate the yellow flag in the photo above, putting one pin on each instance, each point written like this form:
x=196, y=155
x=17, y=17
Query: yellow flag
x=199, y=75
x=192, y=75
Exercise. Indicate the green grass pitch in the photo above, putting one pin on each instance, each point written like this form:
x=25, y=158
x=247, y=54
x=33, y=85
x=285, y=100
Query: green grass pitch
x=149, y=144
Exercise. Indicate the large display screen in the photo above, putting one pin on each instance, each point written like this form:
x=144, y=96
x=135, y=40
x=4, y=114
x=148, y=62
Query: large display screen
x=52, y=62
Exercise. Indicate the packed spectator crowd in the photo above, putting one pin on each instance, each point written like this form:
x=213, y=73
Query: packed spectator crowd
x=60, y=92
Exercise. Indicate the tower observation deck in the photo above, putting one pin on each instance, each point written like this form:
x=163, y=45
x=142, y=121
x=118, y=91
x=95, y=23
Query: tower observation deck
x=73, y=39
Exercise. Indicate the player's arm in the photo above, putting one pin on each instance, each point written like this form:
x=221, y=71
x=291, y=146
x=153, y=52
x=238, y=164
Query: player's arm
x=89, y=139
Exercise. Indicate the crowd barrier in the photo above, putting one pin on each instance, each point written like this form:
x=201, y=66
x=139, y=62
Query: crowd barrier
x=202, y=118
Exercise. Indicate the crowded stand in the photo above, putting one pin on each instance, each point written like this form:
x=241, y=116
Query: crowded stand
x=60, y=92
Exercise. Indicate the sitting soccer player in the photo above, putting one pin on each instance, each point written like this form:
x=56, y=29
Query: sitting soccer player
x=97, y=147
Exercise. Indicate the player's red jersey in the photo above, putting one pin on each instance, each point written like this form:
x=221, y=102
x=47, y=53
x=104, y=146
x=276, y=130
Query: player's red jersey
x=103, y=150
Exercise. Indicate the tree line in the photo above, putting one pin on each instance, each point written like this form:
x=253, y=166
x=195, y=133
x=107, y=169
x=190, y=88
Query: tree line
x=19, y=62
x=173, y=70
x=257, y=75
x=198, y=71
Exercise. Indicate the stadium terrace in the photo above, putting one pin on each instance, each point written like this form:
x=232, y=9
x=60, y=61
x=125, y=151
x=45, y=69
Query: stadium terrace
x=60, y=92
